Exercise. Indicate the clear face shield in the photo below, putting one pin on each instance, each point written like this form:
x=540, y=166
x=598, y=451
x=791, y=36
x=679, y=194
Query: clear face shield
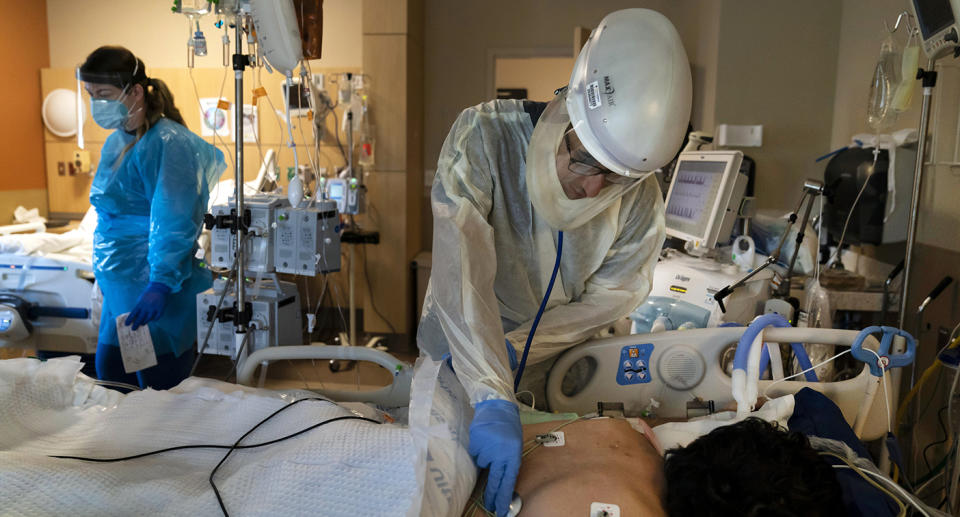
x=551, y=136
x=106, y=94
x=583, y=164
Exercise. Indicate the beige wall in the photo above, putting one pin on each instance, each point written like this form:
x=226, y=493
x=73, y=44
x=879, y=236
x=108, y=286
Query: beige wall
x=860, y=38
x=159, y=37
x=745, y=70
x=539, y=75
x=703, y=60
x=463, y=36
x=777, y=67
x=939, y=220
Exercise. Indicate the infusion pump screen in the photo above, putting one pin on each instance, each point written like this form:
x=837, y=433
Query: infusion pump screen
x=694, y=195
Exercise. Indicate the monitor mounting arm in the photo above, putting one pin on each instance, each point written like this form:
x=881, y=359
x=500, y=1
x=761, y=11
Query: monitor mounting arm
x=811, y=189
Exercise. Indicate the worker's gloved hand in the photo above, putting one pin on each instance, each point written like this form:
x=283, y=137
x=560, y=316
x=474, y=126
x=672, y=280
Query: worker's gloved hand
x=496, y=441
x=150, y=306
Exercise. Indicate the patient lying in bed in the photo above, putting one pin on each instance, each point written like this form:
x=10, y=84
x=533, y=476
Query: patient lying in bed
x=740, y=469
x=602, y=461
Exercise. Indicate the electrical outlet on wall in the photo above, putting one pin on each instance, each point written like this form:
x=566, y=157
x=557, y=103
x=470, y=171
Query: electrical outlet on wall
x=731, y=135
x=81, y=161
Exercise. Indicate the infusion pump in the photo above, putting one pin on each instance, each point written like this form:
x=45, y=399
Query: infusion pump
x=281, y=239
x=347, y=193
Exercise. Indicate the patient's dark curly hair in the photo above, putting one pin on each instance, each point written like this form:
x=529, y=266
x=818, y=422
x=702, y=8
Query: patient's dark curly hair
x=751, y=468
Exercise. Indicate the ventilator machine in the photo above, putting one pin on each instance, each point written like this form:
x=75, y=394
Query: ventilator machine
x=705, y=199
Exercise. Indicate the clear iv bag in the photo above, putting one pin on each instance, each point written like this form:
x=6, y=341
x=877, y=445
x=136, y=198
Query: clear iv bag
x=819, y=315
x=881, y=114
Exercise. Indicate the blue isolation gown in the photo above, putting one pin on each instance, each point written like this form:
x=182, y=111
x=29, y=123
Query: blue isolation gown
x=150, y=202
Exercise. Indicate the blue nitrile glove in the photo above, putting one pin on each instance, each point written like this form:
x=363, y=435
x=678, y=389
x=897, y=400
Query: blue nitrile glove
x=512, y=353
x=150, y=306
x=496, y=441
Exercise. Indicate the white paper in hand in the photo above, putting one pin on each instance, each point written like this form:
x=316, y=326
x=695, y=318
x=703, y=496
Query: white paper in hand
x=136, y=346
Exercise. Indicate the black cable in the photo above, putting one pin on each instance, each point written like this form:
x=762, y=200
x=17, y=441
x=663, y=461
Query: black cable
x=328, y=319
x=373, y=304
x=942, y=502
x=254, y=428
x=212, y=446
x=336, y=129
x=938, y=442
x=936, y=385
x=235, y=446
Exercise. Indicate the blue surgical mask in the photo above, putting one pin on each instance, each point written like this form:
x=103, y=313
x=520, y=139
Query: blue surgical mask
x=109, y=114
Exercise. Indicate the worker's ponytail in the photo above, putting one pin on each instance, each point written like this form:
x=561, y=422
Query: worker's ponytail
x=159, y=103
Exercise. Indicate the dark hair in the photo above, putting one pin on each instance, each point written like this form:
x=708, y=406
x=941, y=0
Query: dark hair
x=122, y=69
x=751, y=468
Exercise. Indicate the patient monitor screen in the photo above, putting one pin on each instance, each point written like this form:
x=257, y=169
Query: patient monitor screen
x=695, y=190
x=934, y=16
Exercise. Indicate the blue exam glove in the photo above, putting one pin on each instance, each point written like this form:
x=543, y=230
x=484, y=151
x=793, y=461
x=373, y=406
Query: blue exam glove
x=150, y=306
x=496, y=442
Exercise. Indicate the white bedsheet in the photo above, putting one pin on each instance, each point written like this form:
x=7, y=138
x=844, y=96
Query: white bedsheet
x=74, y=245
x=345, y=468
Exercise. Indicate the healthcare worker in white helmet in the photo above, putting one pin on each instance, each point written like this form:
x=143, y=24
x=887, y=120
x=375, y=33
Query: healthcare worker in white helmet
x=517, y=181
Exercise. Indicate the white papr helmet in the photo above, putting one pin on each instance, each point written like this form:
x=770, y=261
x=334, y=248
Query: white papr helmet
x=630, y=92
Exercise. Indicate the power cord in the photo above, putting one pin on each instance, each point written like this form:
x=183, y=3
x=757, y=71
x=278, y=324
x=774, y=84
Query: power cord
x=231, y=448
x=843, y=234
x=373, y=303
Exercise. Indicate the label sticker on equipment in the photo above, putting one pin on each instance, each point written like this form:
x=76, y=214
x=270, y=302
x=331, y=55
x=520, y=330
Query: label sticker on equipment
x=593, y=95
x=634, y=365
x=604, y=510
x=136, y=346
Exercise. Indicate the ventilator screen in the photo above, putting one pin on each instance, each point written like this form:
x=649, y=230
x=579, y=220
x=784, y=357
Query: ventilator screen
x=694, y=196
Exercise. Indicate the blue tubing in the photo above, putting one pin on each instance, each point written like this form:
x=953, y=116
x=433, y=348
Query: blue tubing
x=60, y=312
x=743, y=346
x=536, y=321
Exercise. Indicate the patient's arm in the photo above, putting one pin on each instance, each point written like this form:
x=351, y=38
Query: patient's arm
x=603, y=460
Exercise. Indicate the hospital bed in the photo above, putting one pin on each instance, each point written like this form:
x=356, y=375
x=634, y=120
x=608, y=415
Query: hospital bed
x=681, y=374
x=415, y=463
x=47, y=290
x=373, y=459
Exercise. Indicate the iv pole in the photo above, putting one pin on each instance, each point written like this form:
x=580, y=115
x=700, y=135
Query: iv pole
x=239, y=64
x=929, y=77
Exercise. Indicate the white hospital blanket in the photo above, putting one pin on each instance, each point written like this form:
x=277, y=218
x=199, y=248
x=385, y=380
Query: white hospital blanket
x=72, y=245
x=344, y=468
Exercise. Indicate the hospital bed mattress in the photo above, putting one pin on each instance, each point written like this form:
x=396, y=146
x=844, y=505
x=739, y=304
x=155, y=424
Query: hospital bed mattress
x=348, y=467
